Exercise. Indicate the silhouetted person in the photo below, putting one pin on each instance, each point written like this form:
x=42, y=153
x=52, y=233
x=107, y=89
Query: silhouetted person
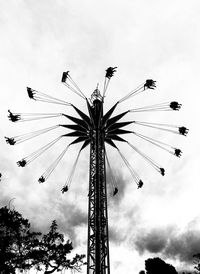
x=162, y=171
x=21, y=163
x=0, y=176
x=110, y=71
x=175, y=105
x=115, y=191
x=150, y=84
x=64, y=189
x=177, y=152
x=30, y=93
x=10, y=141
x=12, y=117
x=183, y=130
x=41, y=179
x=140, y=184
x=64, y=76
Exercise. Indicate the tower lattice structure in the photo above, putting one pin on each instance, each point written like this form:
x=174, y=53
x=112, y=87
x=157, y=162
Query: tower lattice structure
x=98, y=240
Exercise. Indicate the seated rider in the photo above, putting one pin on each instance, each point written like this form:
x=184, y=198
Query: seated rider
x=177, y=152
x=183, y=130
x=175, y=105
x=150, y=84
x=162, y=171
x=140, y=184
x=64, y=76
x=41, y=179
x=30, y=93
x=10, y=141
x=110, y=71
x=13, y=117
x=64, y=189
x=21, y=163
x=115, y=191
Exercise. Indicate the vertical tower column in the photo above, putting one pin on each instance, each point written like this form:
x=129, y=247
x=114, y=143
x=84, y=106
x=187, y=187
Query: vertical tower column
x=98, y=244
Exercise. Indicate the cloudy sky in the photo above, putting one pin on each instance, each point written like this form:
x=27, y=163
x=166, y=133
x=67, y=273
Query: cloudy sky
x=144, y=39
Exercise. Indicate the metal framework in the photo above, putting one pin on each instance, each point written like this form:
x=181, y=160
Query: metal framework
x=96, y=129
x=98, y=245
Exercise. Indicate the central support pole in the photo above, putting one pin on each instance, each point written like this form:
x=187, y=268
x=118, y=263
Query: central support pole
x=98, y=245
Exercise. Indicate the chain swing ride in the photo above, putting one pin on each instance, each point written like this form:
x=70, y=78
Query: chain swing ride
x=96, y=129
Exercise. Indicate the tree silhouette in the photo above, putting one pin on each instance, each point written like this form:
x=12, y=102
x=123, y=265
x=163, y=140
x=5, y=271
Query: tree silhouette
x=53, y=250
x=22, y=249
x=158, y=266
x=197, y=262
x=15, y=241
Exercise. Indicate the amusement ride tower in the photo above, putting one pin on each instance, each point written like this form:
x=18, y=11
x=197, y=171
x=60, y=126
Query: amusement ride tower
x=96, y=129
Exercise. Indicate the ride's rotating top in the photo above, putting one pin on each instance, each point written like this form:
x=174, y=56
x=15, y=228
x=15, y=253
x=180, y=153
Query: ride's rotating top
x=110, y=127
